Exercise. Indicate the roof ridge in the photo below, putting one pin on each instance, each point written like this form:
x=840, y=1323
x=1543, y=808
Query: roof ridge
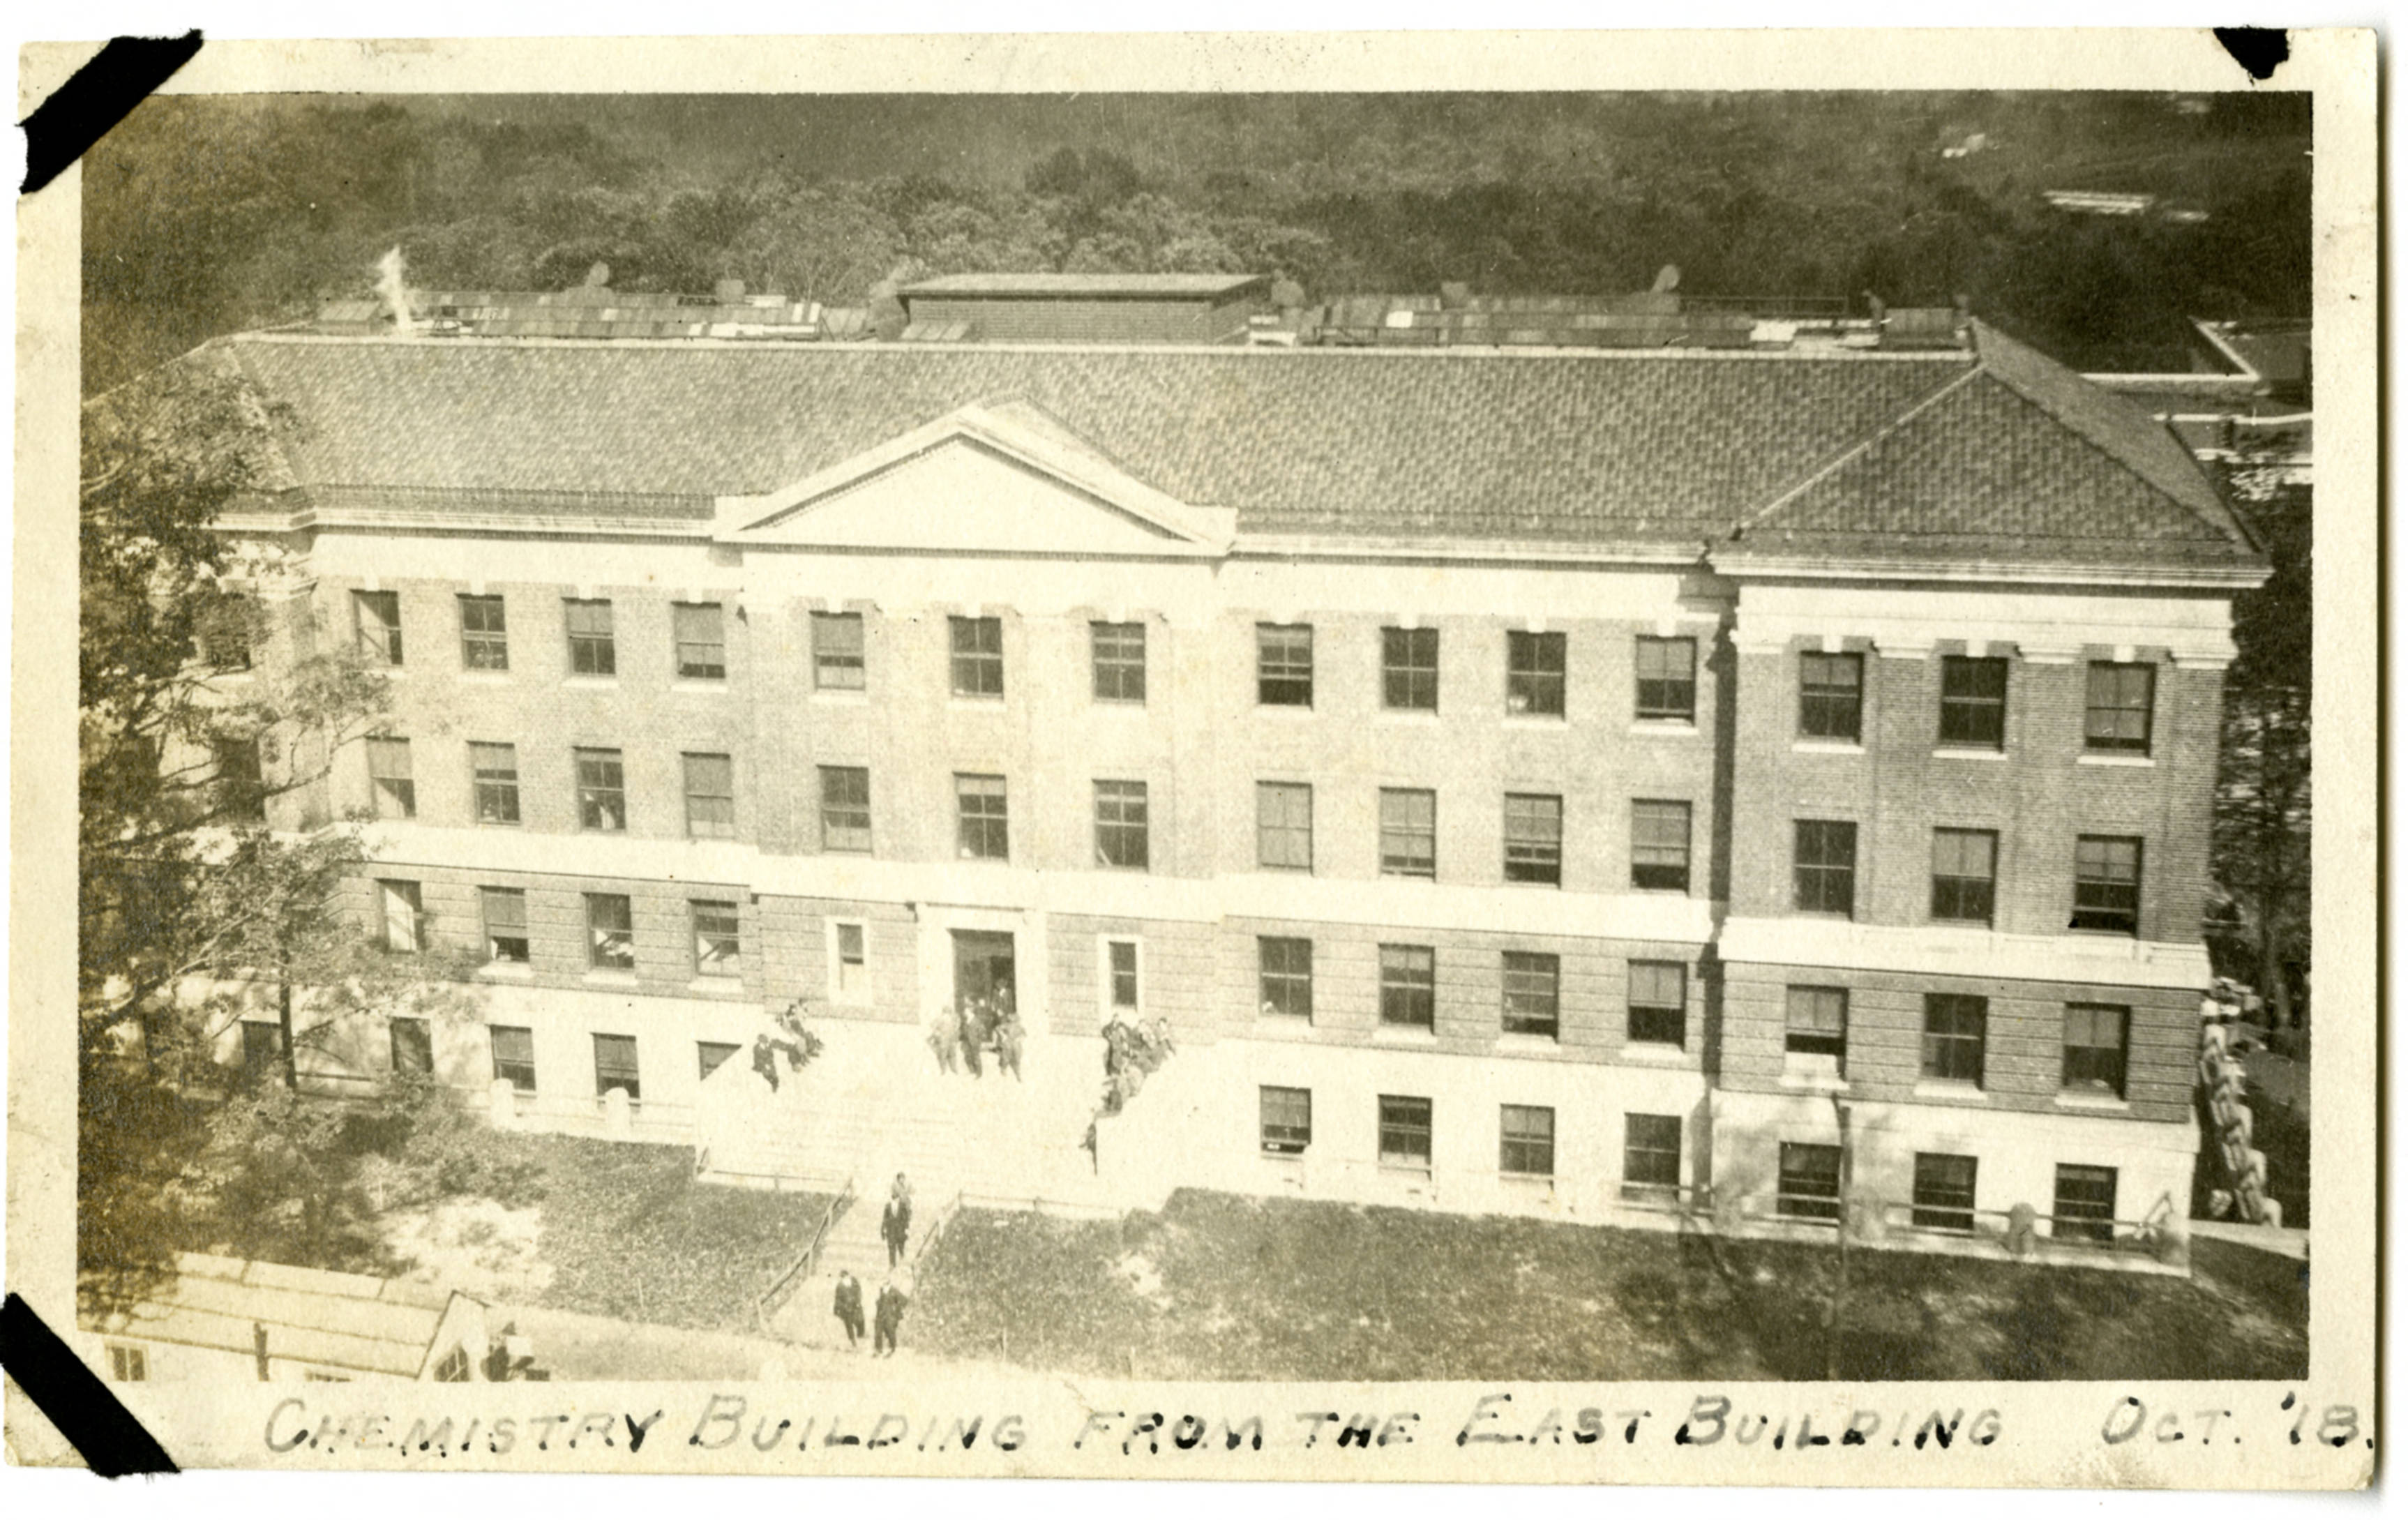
x=1857, y=449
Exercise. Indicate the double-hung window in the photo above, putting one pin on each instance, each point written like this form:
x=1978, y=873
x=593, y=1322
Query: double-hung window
x=1943, y=1192
x=710, y=796
x=2107, y=883
x=1816, y=1037
x=1287, y=976
x=1525, y=1141
x=389, y=776
x=844, y=808
x=1409, y=669
x=1973, y=702
x=513, y=1055
x=1283, y=825
x=718, y=939
x=1809, y=1183
x=484, y=638
x=1657, y=1002
x=376, y=621
x=1659, y=846
x=1119, y=655
x=1831, y=697
x=493, y=781
x=1955, y=1031
x=1534, y=839
x=1533, y=984
x=1405, y=1132
x=609, y=932
x=839, y=656
x=1667, y=680
x=405, y=918
x=2118, y=708
x=1123, y=985
x=1409, y=986
x=984, y=817
x=601, y=792
x=1651, y=1157
x=2084, y=1209
x=1534, y=674
x=1824, y=867
x=1120, y=826
x=1283, y=665
x=977, y=657
x=615, y=1066
x=593, y=643
x=2096, y=1036
x=1286, y=1120
x=504, y=915
x=701, y=640
x=1964, y=874
x=1408, y=832
x=411, y=1044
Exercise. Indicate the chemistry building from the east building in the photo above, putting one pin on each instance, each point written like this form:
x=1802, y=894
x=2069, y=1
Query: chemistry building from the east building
x=1549, y=761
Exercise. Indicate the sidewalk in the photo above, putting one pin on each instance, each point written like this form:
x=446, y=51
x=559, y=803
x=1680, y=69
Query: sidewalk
x=588, y=1348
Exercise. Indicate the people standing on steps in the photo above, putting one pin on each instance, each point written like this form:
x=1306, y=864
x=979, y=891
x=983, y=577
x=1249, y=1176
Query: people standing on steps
x=1007, y=1045
x=892, y=1301
x=894, y=1225
x=848, y=1308
x=945, y=1037
x=765, y=1059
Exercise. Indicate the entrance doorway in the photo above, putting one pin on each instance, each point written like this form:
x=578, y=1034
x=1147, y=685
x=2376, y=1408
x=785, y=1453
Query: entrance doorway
x=985, y=980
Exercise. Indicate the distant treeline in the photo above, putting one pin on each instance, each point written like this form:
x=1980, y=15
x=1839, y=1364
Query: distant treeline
x=203, y=216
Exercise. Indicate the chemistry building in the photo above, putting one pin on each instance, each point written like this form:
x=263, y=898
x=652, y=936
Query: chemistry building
x=1559, y=778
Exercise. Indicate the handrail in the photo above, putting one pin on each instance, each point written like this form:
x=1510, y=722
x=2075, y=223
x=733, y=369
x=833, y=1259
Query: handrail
x=2123, y=1234
x=807, y=1262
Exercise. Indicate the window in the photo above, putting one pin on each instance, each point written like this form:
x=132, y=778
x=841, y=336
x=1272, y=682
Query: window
x=1964, y=874
x=1534, y=839
x=1943, y=1192
x=1409, y=669
x=1825, y=868
x=1534, y=674
x=2107, y=883
x=1283, y=665
x=839, y=655
x=1667, y=680
x=1409, y=986
x=405, y=921
x=710, y=1055
x=2096, y=1039
x=1120, y=661
x=1955, y=1026
x=718, y=939
x=710, y=796
x=376, y=618
x=1659, y=846
x=615, y=1066
x=2116, y=710
x=1532, y=993
x=1408, y=832
x=453, y=1368
x=701, y=640
x=1973, y=702
x=1831, y=697
x=601, y=791
x=390, y=787
x=241, y=790
x=2086, y=1204
x=1810, y=1181
x=1120, y=972
x=1817, y=1038
x=484, y=641
x=985, y=822
x=1525, y=1141
x=1286, y=1120
x=515, y=1056
x=1287, y=976
x=504, y=910
x=1658, y=1002
x=263, y=1052
x=1283, y=825
x=1405, y=1132
x=1651, y=1157
x=413, y=1047
x=493, y=781
x=977, y=656
x=852, y=960
x=609, y=932
x=1121, y=826
x=593, y=646
x=128, y=1364
x=844, y=808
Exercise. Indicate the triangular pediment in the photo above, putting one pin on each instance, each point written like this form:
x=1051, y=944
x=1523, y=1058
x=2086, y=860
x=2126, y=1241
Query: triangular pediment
x=981, y=480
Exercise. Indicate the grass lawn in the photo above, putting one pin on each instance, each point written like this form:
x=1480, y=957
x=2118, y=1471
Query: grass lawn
x=1223, y=1287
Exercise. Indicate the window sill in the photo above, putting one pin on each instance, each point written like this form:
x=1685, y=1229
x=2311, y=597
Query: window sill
x=1118, y=704
x=1966, y=752
x=1664, y=728
x=609, y=978
x=1286, y=710
x=1543, y=720
x=2137, y=762
x=1511, y=1041
x=1807, y=1081
x=1826, y=746
x=2093, y=1103
x=1950, y=1092
x=1527, y=1181
x=1286, y=1024
x=1655, y=1053
x=1404, y=1034
x=1405, y=1171
x=1283, y=1159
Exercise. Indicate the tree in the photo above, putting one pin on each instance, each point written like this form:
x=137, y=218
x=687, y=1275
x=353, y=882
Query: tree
x=2262, y=853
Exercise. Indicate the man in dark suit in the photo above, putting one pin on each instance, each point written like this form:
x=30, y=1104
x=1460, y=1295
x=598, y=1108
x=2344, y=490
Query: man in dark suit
x=891, y=1304
x=848, y=1308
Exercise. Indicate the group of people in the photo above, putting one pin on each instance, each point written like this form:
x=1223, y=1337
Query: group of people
x=894, y=1229
x=966, y=1032
x=792, y=1039
x=1131, y=1051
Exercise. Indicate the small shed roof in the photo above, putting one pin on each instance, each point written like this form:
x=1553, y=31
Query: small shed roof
x=1086, y=287
x=332, y=1319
